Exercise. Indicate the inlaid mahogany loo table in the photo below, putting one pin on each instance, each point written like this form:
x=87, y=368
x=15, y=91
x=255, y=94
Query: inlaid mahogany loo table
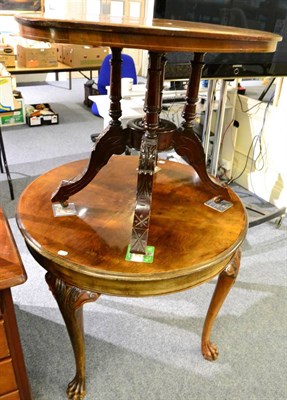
x=136, y=227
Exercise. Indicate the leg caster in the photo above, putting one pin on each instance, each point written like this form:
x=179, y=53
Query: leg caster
x=225, y=282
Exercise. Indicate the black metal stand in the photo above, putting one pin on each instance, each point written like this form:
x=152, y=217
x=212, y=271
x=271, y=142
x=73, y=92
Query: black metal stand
x=4, y=165
x=264, y=217
x=259, y=211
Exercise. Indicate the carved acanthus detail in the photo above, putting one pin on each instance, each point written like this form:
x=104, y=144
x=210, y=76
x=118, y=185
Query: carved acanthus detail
x=148, y=155
x=232, y=267
x=70, y=300
x=140, y=228
x=69, y=297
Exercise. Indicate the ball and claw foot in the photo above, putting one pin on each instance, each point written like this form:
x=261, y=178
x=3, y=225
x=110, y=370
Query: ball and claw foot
x=209, y=351
x=76, y=389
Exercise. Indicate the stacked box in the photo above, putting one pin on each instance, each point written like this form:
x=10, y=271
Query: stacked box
x=7, y=56
x=6, y=94
x=32, y=57
x=59, y=50
x=16, y=117
x=77, y=56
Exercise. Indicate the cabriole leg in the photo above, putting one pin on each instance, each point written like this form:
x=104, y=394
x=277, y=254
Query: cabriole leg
x=70, y=300
x=225, y=282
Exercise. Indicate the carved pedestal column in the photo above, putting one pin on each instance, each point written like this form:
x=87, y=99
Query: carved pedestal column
x=148, y=155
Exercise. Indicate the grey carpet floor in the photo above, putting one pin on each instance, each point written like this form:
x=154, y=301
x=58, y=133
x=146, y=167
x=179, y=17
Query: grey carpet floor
x=146, y=348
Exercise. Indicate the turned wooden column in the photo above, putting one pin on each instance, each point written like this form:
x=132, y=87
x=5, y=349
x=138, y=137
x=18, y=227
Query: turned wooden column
x=113, y=139
x=186, y=143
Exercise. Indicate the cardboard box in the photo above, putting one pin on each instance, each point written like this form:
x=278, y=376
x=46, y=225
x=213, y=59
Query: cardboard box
x=16, y=117
x=7, y=56
x=32, y=57
x=59, y=50
x=6, y=94
x=83, y=56
x=37, y=118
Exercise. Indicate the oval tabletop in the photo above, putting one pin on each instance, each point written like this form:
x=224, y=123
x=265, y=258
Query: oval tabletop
x=155, y=34
x=192, y=241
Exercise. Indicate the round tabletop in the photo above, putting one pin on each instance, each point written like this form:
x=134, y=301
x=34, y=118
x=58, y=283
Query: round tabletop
x=155, y=34
x=193, y=242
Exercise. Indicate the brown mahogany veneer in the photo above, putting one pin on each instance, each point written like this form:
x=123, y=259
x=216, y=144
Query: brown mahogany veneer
x=14, y=383
x=158, y=37
x=156, y=34
x=84, y=254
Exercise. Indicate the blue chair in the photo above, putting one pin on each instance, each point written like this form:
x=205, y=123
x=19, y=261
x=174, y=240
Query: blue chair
x=128, y=71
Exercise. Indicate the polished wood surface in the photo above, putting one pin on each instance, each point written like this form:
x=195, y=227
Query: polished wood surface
x=95, y=241
x=84, y=254
x=154, y=34
x=12, y=272
x=13, y=376
x=158, y=37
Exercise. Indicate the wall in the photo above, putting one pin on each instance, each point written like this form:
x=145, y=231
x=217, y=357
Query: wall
x=260, y=156
x=72, y=9
x=92, y=9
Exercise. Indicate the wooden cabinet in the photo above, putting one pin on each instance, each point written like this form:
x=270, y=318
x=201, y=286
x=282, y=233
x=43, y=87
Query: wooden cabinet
x=14, y=383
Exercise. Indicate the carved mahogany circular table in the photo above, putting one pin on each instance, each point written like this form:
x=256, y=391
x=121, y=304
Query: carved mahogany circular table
x=84, y=254
x=158, y=37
